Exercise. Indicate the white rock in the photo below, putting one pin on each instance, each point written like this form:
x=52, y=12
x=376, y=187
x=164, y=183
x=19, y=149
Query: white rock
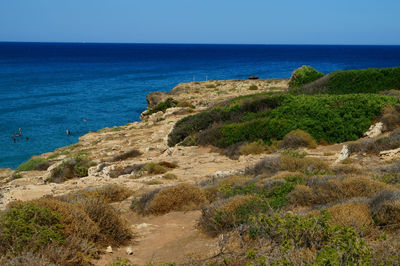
x=109, y=249
x=374, y=130
x=345, y=153
x=390, y=154
x=129, y=251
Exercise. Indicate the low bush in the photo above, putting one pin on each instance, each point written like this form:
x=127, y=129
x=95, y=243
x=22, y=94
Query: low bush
x=170, y=176
x=227, y=214
x=154, y=168
x=26, y=226
x=253, y=88
x=298, y=138
x=352, y=213
x=386, y=209
x=391, y=117
x=123, y=156
x=38, y=164
x=371, y=80
x=168, y=164
x=330, y=189
x=303, y=75
x=109, y=193
x=255, y=147
x=185, y=104
x=268, y=165
x=75, y=167
x=306, y=164
x=178, y=198
x=113, y=229
x=334, y=245
x=163, y=106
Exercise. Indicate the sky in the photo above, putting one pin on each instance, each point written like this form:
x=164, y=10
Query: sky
x=205, y=21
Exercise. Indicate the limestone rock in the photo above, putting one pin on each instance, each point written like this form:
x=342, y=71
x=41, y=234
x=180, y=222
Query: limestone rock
x=390, y=155
x=344, y=153
x=156, y=116
x=129, y=251
x=50, y=171
x=374, y=130
x=154, y=98
x=109, y=249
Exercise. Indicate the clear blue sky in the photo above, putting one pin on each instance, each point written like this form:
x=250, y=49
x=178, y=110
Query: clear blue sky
x=202, y=21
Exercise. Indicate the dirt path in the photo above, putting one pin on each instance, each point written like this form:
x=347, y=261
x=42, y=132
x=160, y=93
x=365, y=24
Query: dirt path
x=168, y=238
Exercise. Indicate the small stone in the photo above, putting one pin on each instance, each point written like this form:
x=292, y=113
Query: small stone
x=129, y=251
x=109, y=249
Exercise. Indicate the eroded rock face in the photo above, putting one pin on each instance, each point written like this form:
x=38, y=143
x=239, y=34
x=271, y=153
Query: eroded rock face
x=374, y=130
x=390, y=155
x=154, y=98
x=344, y=153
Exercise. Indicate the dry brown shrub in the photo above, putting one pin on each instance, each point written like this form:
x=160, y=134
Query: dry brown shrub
x=168, y=164
x=332, y=189
x=74, y=219
x=255, y=147
x=235, y=180
x=268, y=165
x=113, y=228
x=346, y=170
x=298, y=138
x=294, y=164
x=301, y=195
x=26, y=258
x=356, y=214
x=112, y=193
x=386, y=209
x=283, y=175
x=123, y=156
x=180, y=198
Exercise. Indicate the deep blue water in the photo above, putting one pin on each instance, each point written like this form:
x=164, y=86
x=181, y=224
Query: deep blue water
x=47, y=88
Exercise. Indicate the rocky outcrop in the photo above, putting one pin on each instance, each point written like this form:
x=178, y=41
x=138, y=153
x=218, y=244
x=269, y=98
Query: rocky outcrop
x=374, y=130
x=344, y=153
x=390, y=155
x=154, y=98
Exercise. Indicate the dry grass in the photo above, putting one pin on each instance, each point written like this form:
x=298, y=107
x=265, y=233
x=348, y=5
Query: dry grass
x=298, y=138
x=355, y=214
x=170, y=176
x=183, y=197
x=323, y=190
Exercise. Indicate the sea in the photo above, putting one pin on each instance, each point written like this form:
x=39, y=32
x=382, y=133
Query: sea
x=49, y=88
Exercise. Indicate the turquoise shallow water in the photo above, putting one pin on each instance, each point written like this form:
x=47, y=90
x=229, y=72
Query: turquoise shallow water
x=48, y=88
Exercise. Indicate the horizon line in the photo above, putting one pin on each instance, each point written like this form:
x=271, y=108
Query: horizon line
x=188, y=43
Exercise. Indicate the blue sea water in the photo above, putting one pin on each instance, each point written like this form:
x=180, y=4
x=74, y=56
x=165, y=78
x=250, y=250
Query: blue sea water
x=48, y=88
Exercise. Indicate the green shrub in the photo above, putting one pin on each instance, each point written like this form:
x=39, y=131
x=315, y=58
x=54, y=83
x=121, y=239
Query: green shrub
x=75, y=167
x=335, y=245
x=170, y=176
x=303, y=75
x=371, y=80
x=168, y=103
x=154, y=168
x=26, y=226
x=33, y=164
x=253, y=88
x=255, y=147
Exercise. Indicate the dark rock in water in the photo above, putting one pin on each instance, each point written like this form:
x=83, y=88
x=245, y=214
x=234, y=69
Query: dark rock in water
x=154, y=98
x=253, y=77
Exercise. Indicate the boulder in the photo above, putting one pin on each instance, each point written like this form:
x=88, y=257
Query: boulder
x=109, y=249
x=374, y=130
x=154, y=98
x=129, y=251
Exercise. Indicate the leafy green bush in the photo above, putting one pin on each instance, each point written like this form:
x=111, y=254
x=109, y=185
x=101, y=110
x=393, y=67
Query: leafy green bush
x=371, y=80
x=303, y=75
x=168, y=103
x=33, y=164
x=28, y=226
x=334, y=118
x=335, y=245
